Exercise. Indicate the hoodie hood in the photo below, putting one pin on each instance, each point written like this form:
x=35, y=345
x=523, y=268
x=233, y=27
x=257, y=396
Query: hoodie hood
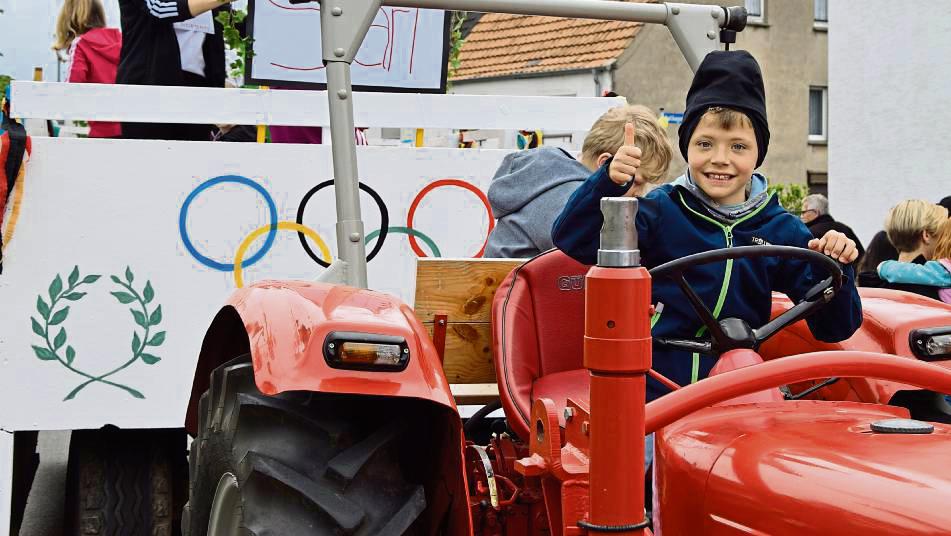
x=523, y=176
x=105, y=43
x=756, y=196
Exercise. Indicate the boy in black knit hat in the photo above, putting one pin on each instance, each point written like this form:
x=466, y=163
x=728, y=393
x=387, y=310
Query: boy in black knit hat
x=719, y=202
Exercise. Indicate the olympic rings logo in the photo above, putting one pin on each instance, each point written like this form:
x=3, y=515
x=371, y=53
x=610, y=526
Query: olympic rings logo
x=269, y=231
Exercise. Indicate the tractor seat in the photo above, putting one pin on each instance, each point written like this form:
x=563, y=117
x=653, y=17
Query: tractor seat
x=538, y=336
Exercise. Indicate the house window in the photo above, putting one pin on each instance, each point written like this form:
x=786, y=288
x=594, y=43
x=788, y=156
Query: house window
x=818, y=114
x=820, y=14
x=756, y=11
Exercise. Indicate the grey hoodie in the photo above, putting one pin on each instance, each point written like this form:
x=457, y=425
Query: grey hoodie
x=529, y=190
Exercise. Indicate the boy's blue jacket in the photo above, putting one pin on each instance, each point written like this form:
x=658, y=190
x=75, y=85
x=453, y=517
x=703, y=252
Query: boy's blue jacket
x=672, y=223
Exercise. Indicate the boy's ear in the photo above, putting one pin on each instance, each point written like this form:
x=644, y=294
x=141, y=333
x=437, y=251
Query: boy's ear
x=604, y=157
x=926, y=237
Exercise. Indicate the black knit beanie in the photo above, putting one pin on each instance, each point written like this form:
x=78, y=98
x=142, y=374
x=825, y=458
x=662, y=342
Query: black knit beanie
x=728, y=80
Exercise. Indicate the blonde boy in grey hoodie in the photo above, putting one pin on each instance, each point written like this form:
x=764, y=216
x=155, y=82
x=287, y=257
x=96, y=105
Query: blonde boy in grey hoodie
x=531, y=187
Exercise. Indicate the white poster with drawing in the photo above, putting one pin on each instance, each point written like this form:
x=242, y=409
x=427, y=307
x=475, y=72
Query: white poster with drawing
x=404, y=49
x=119, y=261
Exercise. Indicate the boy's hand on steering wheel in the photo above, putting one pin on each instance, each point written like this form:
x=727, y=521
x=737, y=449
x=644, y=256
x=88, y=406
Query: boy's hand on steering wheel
x=836, y=245
x=626, y=160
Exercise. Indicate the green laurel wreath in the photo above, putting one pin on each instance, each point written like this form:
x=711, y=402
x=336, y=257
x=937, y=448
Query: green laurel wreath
x=51, y=318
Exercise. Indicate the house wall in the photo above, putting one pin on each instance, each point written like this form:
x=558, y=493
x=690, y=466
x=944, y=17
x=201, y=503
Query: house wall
x=582, y=84
x=578, y=84
x=793, y=57
x=891, y=89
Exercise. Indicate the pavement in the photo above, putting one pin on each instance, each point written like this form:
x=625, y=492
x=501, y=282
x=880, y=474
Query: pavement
x=44, y=508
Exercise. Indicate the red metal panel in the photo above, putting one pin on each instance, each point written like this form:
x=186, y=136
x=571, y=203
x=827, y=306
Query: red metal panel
x=287, y=322
x=804, y=467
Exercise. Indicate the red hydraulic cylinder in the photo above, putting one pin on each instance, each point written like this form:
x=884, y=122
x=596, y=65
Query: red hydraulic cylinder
x=617, y=351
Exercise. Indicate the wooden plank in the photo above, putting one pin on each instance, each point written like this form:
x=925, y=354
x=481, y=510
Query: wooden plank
x=474, y=393
x=461, y=288
x=468, y=352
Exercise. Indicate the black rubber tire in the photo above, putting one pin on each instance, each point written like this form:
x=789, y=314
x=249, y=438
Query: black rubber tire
x=125, y=482
x=305, y=463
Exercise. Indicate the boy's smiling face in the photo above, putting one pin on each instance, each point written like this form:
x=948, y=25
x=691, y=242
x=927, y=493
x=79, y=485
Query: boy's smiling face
x=722, y=160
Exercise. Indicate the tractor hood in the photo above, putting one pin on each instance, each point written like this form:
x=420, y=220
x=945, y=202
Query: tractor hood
x=807, y=467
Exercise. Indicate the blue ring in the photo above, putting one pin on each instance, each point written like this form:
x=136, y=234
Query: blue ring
x=211, y=263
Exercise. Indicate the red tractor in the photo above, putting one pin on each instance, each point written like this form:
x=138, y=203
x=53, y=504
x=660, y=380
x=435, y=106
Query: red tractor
x=322, y=407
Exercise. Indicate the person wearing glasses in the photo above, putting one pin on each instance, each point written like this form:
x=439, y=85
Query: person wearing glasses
x=815, y=214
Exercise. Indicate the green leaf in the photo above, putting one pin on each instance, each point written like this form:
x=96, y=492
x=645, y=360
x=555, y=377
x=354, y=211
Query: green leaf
x=43, y=309
x=148, y=293
x=123, y=297
x=59, y=316
x=150, y=359
x=156, y=316
x=136, y=343
x=38, y=328
x=115, y=279
x=158, y=339
x=139, y=318
x=73, y=276
x=91, y=278
x=128, y=275
x=60, y=339
x=56, y=287
x=44, y=354
x=70, y=355
x=74, y=296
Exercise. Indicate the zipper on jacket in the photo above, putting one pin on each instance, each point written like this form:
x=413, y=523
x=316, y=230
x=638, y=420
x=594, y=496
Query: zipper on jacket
x=658, y=310
x=727, y=273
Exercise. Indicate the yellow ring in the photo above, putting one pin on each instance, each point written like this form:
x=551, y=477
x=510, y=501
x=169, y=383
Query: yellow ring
x=15, y=203
x=281, y=226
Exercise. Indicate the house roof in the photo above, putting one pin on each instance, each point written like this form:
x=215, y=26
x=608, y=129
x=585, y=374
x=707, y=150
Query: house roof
x=501, y=45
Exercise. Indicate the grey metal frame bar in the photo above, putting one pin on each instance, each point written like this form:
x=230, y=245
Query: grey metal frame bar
x=694, y=28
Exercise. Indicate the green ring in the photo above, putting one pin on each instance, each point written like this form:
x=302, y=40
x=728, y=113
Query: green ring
x=407, y=231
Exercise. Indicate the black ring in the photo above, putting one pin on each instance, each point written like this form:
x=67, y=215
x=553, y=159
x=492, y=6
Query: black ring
x=384, y=221
x=613, y=528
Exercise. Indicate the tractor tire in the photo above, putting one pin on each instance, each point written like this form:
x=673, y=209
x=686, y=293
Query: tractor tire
x=298, y=463
x=128, y=482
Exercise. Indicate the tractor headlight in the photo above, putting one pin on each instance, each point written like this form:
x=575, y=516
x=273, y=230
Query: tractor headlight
x=931, y=344
x=366, y=351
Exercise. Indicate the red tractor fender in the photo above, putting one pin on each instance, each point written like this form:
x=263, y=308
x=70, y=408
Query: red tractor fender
x=283, y=325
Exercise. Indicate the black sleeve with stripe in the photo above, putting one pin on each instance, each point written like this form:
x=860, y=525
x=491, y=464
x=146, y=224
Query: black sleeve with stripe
x=165, y=10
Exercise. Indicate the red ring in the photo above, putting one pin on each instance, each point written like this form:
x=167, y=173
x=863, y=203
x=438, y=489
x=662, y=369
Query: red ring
x=448, y=182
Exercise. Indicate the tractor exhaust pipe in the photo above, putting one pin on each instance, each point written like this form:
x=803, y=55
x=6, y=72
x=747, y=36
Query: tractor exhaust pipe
x=617, y=352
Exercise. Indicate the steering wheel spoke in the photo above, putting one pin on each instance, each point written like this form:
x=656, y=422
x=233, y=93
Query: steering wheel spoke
x=703, y=313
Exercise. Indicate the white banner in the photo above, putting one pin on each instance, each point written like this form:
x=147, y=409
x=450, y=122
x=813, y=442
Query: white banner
x=123, y=253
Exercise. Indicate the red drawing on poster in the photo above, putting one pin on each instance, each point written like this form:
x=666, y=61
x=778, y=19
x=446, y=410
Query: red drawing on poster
x=385, y=59
x=289, y=8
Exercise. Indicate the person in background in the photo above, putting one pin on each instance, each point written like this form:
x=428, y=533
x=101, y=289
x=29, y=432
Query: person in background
x=531, y=187
x=881, y=250
x=92, y=51
x=912, y=227
x=815, y=214
x=936, y=273
x=171, y=43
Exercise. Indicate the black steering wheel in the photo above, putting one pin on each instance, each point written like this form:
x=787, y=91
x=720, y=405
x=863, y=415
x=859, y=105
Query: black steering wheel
x=733, y=333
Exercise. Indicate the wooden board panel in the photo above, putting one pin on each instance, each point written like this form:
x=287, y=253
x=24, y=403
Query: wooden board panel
x=468, y=352
x=474, y=393
x=460, y=288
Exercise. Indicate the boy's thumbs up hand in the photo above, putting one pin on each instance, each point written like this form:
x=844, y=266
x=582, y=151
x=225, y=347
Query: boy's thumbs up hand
x=626, y=160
